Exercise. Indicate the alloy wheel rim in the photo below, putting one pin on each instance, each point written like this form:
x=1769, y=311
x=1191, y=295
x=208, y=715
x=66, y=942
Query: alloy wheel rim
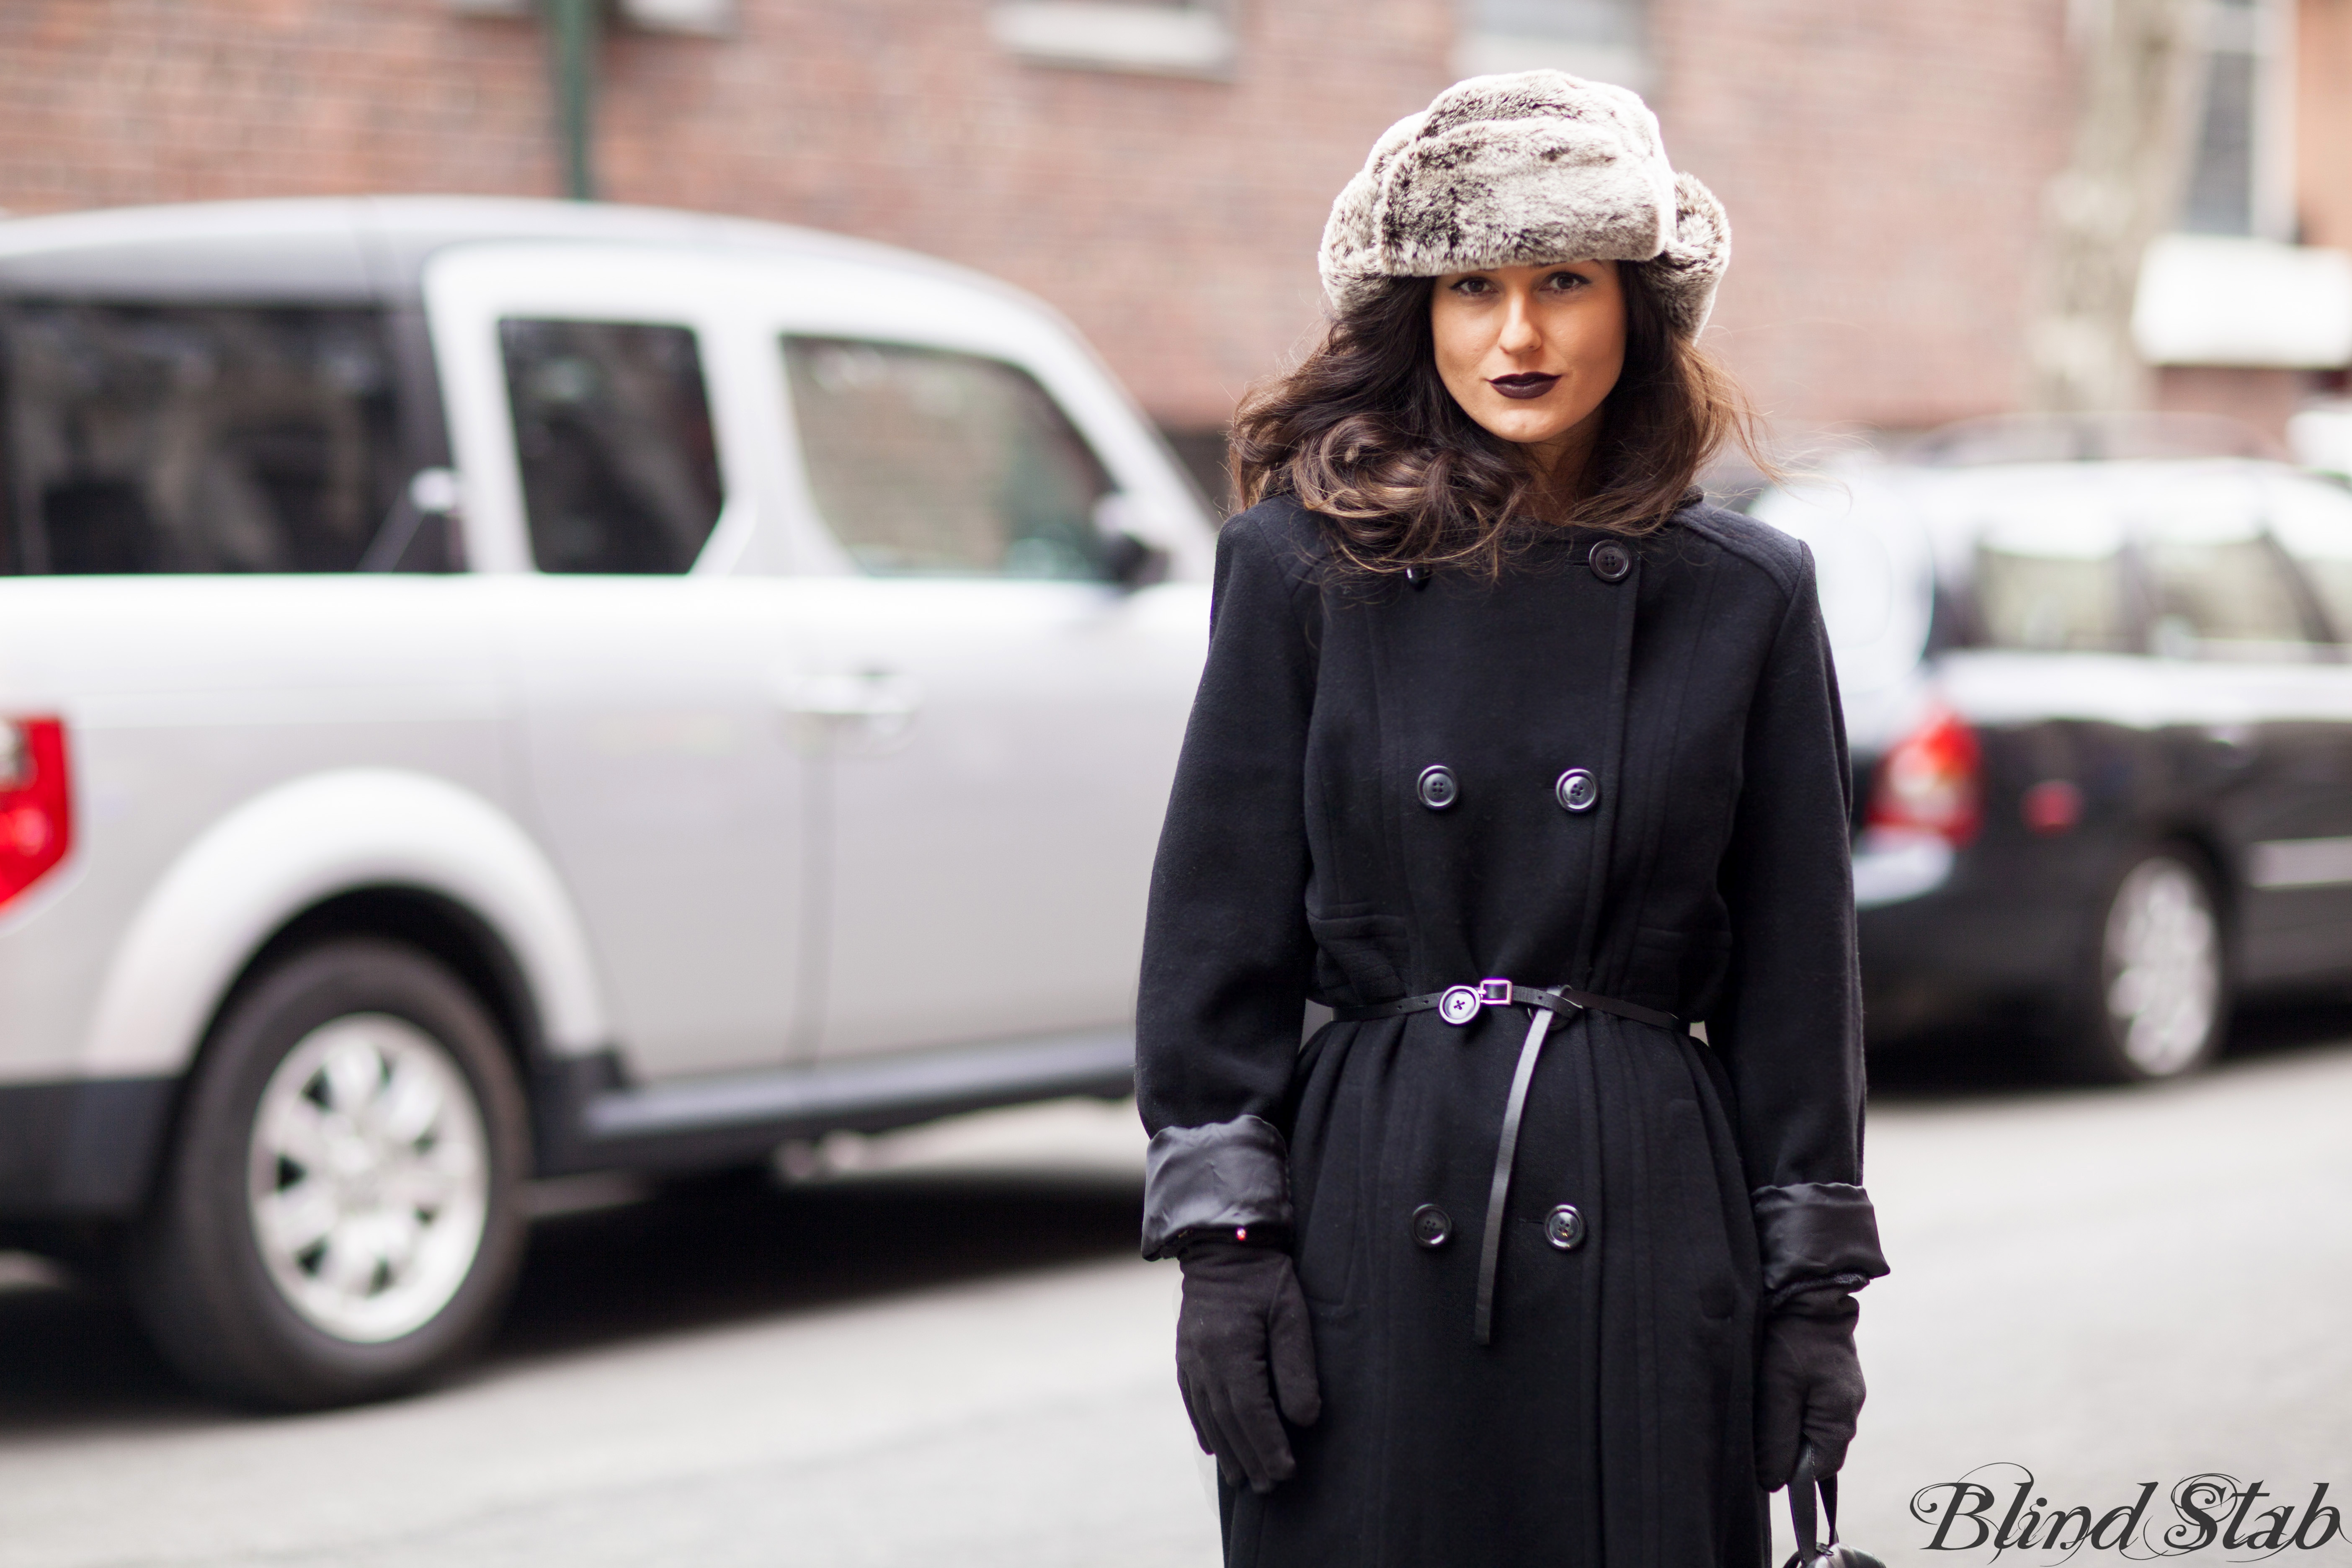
x=2163, y=967
x=368, y=1178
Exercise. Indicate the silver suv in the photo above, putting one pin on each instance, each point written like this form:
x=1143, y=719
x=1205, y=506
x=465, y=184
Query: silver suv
x=492, y=689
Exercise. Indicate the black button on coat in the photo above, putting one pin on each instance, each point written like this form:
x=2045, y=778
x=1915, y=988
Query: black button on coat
x=1609, y=1422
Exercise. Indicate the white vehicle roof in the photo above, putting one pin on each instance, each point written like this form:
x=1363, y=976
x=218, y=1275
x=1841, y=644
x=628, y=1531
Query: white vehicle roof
x=361, y=248
x=1884, y=533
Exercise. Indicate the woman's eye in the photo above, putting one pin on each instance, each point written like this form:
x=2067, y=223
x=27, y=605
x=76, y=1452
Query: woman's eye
x=1565, y=281
x=1472, y=286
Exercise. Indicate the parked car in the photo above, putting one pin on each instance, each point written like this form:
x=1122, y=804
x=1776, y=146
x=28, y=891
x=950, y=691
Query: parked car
x=2099, y=695
x=494, y=688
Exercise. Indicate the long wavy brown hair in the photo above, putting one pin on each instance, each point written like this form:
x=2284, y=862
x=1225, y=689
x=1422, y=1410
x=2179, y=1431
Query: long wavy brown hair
x=1364, y=433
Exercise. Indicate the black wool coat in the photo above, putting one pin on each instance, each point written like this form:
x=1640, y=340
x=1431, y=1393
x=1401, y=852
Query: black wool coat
x=1609, y=1420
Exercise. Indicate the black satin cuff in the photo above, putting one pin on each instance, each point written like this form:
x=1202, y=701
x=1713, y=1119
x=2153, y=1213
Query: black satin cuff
x=1830, y=1297
x=1817, y=1233
x=1222, y=1176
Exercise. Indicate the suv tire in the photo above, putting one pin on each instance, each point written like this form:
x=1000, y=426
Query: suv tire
x=338, y=1217
x=2154, y=999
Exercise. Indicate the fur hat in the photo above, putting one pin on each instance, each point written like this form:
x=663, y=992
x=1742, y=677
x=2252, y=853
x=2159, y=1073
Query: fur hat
x=1518, y=171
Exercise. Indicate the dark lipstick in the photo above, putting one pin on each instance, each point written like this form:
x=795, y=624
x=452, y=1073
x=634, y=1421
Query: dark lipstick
x=1525, y=384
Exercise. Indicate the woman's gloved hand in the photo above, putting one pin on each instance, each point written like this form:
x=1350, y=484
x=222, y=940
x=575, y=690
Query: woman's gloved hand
x=1244, y=1353
x=1808, y=1384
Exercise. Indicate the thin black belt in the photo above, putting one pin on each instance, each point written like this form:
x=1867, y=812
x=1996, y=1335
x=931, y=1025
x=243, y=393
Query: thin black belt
x=1457, y=1005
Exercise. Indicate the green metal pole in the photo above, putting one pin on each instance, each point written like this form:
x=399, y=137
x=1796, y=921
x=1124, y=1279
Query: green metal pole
x=573, y=30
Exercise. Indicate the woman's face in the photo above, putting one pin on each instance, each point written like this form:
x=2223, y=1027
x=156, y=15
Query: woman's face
x=1530, y=352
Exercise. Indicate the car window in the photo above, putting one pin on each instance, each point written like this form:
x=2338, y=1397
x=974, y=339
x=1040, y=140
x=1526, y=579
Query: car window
x=2048, y=571
x=144, y=438
x=2217, y=587
x=929, y=463
x=2314, y=523
x=613, y=433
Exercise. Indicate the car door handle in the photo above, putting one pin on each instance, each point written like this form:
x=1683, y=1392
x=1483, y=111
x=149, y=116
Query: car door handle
x=869, y=694
x=867, y=713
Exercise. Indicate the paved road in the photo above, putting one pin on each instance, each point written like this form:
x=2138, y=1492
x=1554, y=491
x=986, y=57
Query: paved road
x=951, y=1360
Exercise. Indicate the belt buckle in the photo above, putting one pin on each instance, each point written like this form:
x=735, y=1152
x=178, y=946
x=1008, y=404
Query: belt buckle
x=1460, y=1004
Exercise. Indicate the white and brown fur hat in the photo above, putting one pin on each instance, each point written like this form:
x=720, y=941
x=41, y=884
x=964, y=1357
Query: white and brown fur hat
x=1520, y=171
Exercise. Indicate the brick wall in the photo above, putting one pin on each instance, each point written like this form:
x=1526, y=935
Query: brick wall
x=110, y=102
x=1883, y=162
x=1174, y=220
x=1882, y=158
x=2323, y=103
x=2264, y=399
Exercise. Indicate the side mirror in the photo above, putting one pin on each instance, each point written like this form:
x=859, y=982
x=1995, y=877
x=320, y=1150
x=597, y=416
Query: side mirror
x=1129, y=559
x=1131, y=563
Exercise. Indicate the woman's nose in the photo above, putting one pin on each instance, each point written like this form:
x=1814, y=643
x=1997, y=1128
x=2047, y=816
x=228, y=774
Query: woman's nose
x=1519, y=335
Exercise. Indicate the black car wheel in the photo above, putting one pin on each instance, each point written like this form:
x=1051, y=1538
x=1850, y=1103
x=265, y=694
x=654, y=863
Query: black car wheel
x=338, y=1217
x=2156, y=1000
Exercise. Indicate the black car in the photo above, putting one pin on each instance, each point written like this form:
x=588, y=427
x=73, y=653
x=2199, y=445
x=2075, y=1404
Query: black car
x=2101, y=714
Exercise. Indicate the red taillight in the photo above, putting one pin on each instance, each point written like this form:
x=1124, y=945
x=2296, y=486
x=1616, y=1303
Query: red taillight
x=36, y=802
x=1931, y=781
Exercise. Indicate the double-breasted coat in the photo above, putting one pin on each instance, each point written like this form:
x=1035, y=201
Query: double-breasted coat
x=1702, y=870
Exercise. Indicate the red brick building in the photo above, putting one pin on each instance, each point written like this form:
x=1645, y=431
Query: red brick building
x=1161, y=169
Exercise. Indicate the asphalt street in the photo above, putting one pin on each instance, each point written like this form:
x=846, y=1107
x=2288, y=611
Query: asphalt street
x=944, y=1353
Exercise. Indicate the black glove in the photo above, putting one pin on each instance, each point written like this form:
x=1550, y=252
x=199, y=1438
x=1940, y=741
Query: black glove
x=1243, y=1346
x=1808, y=1384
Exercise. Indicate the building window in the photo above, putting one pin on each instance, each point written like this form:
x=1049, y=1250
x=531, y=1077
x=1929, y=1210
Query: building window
x=2241, y=172
x=1604, y=40
x=1154, y=38
x=708, y=18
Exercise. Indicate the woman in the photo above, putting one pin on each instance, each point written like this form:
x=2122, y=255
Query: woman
x=1521, y=758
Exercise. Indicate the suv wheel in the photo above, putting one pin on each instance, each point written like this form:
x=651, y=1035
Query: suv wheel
x=2161, y=1001
x=339, y=1219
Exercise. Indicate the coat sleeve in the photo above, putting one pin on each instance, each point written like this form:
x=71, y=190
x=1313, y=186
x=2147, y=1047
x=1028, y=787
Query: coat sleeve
x=1227, y=955
x=1787, y=1028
